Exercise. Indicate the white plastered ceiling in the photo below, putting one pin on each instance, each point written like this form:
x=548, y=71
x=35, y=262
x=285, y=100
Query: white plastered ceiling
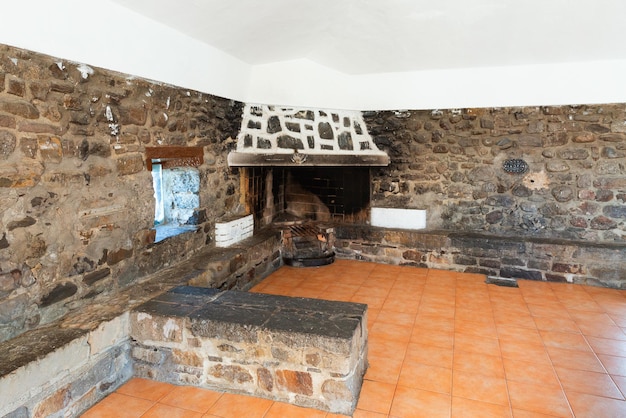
x=356, y=54
x=382, y=36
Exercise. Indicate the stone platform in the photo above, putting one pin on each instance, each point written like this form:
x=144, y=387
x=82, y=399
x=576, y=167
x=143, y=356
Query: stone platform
x=307, y=352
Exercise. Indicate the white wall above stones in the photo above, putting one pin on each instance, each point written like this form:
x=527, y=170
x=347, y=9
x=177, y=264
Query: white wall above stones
x=106, y=34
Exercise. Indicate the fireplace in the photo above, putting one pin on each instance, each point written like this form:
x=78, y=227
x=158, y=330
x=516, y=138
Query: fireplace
x=303, y=170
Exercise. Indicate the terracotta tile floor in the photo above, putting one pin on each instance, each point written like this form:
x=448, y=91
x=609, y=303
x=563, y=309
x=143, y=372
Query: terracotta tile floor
x=442, y=344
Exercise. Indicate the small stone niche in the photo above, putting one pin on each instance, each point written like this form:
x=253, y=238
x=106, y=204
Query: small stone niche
x=307, y=352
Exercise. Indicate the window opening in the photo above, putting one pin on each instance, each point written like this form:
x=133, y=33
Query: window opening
x=176, y=182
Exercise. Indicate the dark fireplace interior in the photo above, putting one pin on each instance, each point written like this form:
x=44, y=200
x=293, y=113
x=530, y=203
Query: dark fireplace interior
x=304, y=202
x=278, y=194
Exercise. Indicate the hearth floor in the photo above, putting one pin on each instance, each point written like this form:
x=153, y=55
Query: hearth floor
x=441, y=344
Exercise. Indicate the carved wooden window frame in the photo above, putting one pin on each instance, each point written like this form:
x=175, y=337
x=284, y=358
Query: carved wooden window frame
x=170, y=157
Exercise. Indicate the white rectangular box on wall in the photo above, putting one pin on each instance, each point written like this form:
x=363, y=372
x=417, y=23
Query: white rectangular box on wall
x=228, y=233
x=398, y=218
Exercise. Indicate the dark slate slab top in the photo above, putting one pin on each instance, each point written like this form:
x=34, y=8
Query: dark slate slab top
x=293, y=314
x=34, y=345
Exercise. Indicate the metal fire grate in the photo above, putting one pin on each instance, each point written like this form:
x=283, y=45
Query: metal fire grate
x=308, y=244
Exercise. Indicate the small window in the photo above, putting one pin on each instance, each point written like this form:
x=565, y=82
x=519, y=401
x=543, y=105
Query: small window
x=176, y=182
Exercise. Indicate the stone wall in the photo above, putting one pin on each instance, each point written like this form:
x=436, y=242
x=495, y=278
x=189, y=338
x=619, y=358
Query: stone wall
x=76, y=198
x=451, y=163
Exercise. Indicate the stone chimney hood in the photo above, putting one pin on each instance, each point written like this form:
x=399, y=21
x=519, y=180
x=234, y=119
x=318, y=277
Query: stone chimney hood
x=279, y=136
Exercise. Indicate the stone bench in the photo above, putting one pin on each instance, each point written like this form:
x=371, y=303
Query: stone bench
x=307, y=352
x=515, y=256
x=67, y=366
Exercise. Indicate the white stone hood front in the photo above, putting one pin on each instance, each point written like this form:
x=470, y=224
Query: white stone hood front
x=281, y=136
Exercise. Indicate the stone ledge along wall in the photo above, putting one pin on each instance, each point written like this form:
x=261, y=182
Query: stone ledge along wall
x=76, y=198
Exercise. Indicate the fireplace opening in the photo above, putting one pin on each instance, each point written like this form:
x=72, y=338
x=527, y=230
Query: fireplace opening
x=305, y=202
x=317, y=194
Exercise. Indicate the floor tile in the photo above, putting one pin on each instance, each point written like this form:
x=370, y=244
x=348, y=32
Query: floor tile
x=416, y=403
x=409, y=307
x=517, y=334
x=550, y=310
x=395, y=317
x=534, y=353
x=476, y=344
x=524, y=371
x=548, y=400
x=590, y=406
x=376, y=396
x=387, y=349
x=283, y=410
x=612, y=332
x=384, y=369
x=165, y=411
x=613, y=365
x=360, y=413
x=425, y=377
x=479, y=329
x=467, y=408
x=484, y=314
x=117, y=405
x=478, y=363
x=606, y=346
x=555, y=324
x=470, y=385
x=437, y=338
x=591, y=383
x=192, y=398
x=565, y=340
x=620, y=381
x=521, y=413
x=433, y=321
x=233, y=406
x=145, y=389
x=391, y=332
x=577, y=360
x=428, y=354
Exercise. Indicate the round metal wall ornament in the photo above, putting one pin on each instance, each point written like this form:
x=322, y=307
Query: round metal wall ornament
x=515, y=166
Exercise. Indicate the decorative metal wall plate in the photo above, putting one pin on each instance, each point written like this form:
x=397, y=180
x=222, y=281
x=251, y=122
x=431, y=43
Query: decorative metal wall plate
x=515, y=166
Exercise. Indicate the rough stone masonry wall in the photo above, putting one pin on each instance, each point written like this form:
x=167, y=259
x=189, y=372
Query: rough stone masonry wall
x=76, y=199
x=450, y=163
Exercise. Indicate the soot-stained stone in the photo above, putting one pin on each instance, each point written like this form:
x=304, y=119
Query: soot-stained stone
x=22, y=223
x=59, y=293
x=189, y=295
x=305, y=114
x=96, y=276
x=263, y=143
x=516, y=273
x=289, y=142
x=293, y=127
x=345, y=141
x=273, y=125
x=237, y=314
x=30, y=346
x=4, y=243
x=317, y=323
x=325, y=130
x=166, y=309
